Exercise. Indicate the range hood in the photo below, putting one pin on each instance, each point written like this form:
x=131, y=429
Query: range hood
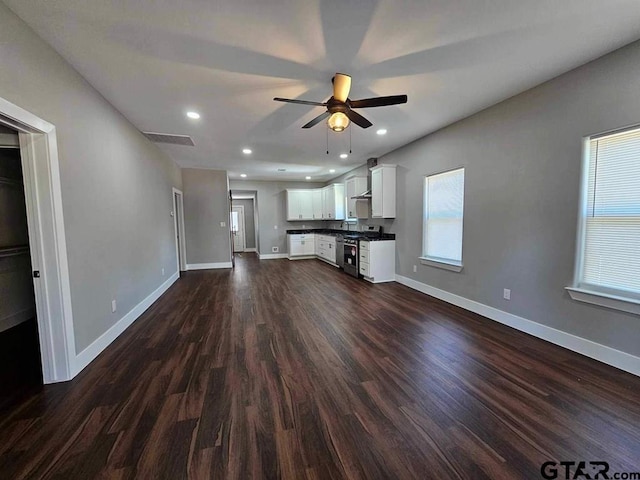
x=363, y=196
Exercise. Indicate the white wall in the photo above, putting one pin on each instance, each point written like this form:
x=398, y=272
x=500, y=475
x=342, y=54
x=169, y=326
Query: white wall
x=116, y=185
x=522, y=178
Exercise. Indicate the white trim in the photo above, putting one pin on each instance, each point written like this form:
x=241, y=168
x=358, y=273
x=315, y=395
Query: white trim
x=178, y=214
x=17, y=318
x=272, y=256
x=445, y=265
x=47, y=240
x=302, y=257
x=249, y=250
x=610, y=356
x=90, y=353
x=593, y=297
x=208, y=266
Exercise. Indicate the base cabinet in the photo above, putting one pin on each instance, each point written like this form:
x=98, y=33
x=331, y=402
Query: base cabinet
x=377, y=262
x=326, y=248
x=301, y=245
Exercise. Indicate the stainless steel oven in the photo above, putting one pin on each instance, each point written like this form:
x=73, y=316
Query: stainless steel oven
x=351, y=256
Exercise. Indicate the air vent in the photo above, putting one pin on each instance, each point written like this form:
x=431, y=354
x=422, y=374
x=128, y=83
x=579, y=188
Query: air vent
x=169, y=138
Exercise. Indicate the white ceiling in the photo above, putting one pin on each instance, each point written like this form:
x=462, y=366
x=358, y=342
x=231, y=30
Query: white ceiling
x=156, y=59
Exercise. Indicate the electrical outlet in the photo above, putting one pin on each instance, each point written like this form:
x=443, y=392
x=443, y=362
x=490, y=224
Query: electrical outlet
x=415, y=268
x=275, y=249
x=163, y=272
x=113, y=306
x=223, y=224
x=275, y=227
x=506, y=294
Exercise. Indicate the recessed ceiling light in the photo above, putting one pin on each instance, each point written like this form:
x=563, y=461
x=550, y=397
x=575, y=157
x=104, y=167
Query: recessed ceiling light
x=194, y=115
x=282, y=169
x=382, y=131
x=343, y=155
x=307, y=177
x=243, y=175
x=333, y=170
x=246, y=151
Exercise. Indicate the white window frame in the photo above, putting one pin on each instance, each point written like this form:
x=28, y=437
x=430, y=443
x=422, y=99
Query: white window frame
x=443, y=263
x=580, y=291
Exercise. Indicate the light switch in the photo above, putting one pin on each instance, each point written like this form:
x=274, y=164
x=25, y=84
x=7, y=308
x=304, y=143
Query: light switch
x=223, y=224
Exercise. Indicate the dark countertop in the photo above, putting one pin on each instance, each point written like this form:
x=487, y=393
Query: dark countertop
x=372, y=237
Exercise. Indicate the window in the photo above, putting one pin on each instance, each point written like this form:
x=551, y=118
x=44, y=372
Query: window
x=608, y=253
x=442, y=223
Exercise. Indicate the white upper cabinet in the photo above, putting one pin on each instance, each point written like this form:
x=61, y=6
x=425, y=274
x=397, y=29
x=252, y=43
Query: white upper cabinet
x=299, y=205
x=383, y=191
x=317, y=203
x=356, y=208
x=333, y=201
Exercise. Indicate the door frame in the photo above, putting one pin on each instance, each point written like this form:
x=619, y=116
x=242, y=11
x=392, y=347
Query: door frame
x=244, y=230
x=47, y=240
x=178, y=224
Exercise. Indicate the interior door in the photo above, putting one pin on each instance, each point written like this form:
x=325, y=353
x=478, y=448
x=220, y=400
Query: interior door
x=237, y=228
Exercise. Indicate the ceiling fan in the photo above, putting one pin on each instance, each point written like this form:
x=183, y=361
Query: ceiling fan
x=340, y=106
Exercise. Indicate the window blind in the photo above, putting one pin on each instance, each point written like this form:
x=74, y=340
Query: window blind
x=443, y=212
x=611, y=256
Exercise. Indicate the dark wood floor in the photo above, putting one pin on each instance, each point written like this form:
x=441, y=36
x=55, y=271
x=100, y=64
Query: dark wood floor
x=286, y=369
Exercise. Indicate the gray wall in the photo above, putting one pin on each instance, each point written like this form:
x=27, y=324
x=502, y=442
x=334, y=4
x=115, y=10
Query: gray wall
x=116, y=185
x=522, y=179
x=206, y=204
x=249, y=221
x=272, y=211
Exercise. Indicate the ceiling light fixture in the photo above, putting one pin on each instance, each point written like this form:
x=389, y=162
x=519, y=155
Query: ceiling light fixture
x=344, y=155
x=382, y=131
x=194, y=115
x=333, y=170
x=247, y=151
x=243, y=175
x=307, y=178
x=338, y=122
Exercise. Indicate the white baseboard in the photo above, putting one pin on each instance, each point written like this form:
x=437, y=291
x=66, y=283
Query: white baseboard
x=304, y=257
x=250, y=250
x=17, y=318
x=92, y=351
x=610, y=356
x=208, y=266
x=272, y=256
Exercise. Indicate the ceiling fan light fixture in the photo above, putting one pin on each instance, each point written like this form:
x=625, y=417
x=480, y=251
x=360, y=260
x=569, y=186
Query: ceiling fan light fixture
x=338, y=122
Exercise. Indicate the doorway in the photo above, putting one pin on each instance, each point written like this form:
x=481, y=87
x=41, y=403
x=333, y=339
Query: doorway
x=178, y=222
x=237, y=228
x=47, y=241
x=20, y=367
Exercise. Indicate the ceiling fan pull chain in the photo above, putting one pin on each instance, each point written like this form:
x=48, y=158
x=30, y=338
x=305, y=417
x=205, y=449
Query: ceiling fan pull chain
x=327, y=130
x=350, y=141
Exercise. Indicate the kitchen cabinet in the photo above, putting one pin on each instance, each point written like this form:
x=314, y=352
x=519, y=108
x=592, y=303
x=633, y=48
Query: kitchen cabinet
x=301, y=245
x=377, y=262
x=299, y=205
x=356, y=208
x=333, y=202
x=316, y=203
x=326, y=248
x=383, y=191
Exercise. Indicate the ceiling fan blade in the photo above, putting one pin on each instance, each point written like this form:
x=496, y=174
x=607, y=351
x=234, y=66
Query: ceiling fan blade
x=358, y=119
x=316, y=120
x=301, y=102
x=378, y=101
x=341, y=87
